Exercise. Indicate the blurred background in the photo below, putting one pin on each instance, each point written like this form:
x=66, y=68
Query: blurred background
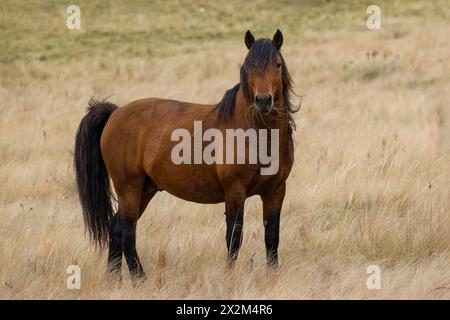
x=370, y=180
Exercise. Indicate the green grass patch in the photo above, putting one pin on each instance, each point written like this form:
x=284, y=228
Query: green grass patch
x=36, y=31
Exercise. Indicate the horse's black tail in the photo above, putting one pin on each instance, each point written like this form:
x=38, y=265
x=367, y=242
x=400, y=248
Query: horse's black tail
x=91, y=173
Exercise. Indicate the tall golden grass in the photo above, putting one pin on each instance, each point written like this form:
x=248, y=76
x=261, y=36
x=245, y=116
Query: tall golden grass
x=370, y=183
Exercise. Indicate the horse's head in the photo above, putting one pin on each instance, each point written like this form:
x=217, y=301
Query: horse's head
x=264, y=80
x=264, y=75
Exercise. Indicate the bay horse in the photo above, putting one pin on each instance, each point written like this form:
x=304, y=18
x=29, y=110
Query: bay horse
x=131, y=145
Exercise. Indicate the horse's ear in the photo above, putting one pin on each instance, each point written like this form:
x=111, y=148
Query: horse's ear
x=249, y=39
x=278, y=39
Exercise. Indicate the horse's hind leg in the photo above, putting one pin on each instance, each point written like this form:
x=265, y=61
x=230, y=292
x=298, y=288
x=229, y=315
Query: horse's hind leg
x=123, y=227
x=128, y=226
x=115, y=247
x=150, y=189
x=129, y=198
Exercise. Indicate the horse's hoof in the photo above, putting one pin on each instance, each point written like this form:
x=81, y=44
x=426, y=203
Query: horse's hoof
x=139, y=278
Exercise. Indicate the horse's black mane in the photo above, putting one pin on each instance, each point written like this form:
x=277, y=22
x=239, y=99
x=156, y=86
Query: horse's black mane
x=261, y=54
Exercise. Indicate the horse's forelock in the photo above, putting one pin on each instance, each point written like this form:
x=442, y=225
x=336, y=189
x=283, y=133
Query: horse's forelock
x=261, y=54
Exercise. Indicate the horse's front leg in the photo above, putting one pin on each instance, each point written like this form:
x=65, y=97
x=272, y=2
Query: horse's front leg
x=272, y=204
x=234, y=211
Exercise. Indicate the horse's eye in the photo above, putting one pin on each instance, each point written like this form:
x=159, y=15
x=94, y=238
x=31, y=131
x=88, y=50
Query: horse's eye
x=278, y=65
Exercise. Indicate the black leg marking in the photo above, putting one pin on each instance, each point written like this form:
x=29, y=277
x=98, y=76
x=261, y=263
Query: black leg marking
x=115, y=247
x=234, y=236
x=272, y=237
x=129, y=248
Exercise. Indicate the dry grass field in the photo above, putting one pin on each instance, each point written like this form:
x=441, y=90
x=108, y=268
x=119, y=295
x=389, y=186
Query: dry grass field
x=370, y=183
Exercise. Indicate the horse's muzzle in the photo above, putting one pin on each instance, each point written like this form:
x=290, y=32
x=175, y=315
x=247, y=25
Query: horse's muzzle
x=264, y=103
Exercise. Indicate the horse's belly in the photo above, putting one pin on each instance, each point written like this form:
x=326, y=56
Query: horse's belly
x=196, y=183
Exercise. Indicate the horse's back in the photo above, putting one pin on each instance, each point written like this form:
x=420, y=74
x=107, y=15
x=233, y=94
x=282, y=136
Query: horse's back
x=150, y=115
